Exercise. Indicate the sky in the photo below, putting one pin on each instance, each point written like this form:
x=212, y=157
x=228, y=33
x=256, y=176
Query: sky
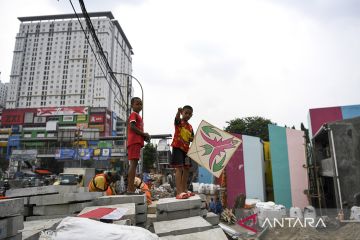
x=226, y=58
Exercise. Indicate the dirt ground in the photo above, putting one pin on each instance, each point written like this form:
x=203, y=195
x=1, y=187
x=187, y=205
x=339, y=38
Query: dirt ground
x=348, y=231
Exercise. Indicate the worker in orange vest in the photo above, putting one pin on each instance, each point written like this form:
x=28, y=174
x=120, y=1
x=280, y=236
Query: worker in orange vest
x=144, y=188
x=102, y=183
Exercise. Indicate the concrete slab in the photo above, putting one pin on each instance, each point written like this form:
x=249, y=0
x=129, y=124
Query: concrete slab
x=10, y=226
x=119, y=199
x=150, y=219
x=181, y=226
x=212, y=218
x=34, y=191
x=141, y=208
x=203, y=212
x=126, y=222
x=36, y=218
x=62, y=209
x=130, y=214
x=10, y=207
x=64, y=198
x=165, y=216
x=173, y=204
x=202, y=197
x=16, y=237
x=33, y=229
x=212, y=234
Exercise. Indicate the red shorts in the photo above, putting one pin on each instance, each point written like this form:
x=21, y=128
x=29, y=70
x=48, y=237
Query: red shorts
x=134, y=151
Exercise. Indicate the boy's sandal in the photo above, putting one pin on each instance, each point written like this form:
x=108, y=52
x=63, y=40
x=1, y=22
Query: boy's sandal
x=190, y=193
x=182, y=196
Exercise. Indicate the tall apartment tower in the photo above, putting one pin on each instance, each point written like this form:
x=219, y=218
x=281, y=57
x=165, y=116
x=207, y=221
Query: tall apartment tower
x=3, y=93
x=54, y=65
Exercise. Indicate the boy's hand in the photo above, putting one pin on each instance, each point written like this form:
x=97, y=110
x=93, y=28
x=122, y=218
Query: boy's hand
x=147, y=137
x=180, y=110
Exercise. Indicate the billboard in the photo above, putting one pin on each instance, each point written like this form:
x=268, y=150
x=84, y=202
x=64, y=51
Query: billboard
x=65, y=153
x=96, y=118
x=54, y=111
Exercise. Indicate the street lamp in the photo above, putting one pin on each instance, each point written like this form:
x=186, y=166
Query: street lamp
x=127, y=97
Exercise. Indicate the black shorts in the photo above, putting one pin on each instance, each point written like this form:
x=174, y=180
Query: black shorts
x=179, y=159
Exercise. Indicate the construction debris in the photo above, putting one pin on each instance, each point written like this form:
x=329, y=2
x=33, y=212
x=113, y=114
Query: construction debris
x=228, y=216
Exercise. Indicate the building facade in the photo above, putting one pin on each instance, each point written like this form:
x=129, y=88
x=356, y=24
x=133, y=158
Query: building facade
x=3, y=94
x=54, y=64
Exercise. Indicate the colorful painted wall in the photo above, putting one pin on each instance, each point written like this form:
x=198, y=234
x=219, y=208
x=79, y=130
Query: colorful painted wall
x=245, y=173
x=318, y=116
x=288, y=157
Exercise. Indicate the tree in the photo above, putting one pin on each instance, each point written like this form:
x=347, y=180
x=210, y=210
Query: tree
x=252, y=126
x=149, y=156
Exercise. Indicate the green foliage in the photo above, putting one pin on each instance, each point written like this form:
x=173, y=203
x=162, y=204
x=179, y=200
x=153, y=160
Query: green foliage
x=252, y=126
x=149, y=155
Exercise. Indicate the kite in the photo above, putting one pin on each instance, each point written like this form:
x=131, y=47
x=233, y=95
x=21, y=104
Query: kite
x=212, y=148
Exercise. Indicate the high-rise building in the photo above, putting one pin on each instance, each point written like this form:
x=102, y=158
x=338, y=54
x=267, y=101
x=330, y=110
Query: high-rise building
x=55, y=66
x=3, y=93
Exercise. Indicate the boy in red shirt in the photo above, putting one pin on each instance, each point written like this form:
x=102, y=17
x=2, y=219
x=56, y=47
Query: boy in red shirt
x=135, y=140
x=184, y=134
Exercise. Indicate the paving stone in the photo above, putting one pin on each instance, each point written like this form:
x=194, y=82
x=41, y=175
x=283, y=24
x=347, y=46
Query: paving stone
x=62, y=209
x=10, y=207
x=33, y=229
x=212, y=234
x=141, y=208
x=63, y=198
x=9, y=226
x=119, y=199
x=130, y=214
x=165, y=216
x=126, y=222
x=181, y=226
x=140, y=218
x=173, y=204
x=36, y=218
x=212, y=218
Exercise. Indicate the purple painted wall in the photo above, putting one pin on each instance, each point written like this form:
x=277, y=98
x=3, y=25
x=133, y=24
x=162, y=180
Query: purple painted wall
x=235, y=176
x=319, y=116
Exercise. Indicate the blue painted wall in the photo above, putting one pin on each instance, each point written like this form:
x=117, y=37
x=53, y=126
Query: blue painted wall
x=350, y=111
x=254, y=167
x=205, y=176
x=280, y=165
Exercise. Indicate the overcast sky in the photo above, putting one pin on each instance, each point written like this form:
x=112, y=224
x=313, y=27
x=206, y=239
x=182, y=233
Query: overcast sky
x=228, y=59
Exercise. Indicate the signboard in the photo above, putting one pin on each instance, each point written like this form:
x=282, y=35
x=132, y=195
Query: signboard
x=82, y=126
x=53, y=111
x=98, y=110
x=85, y=153
x=81, y=118
x=100, y=127
x=23, y=155
x=65, y=153
x=96, y=118
x=68, y=118
x=102, y=154
x=51, y=126
x=39, y=119
x=12, y=117
x=29, y=117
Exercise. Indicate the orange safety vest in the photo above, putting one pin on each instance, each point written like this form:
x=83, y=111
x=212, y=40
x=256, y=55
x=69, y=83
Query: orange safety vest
x=93, y=188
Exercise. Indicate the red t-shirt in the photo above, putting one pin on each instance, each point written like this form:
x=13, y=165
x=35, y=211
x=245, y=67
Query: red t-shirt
x=134, y=138
x=184, y=134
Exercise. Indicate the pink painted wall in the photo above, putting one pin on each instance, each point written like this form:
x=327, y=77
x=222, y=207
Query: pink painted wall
x=319, y=116
x=298, y=174
x=235, y=176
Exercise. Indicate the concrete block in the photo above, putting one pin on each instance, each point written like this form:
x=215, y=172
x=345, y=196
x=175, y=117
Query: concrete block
x=62, y=209
x=181, y=226
x=212, y=218
x=36, y=218
x=150, y=219
x=10, y=207
x=10, y=226
x=141, y=208
x=32, y=191
x=212, y=234
x=33, y=229
x=28, y=211
x=165, y=216
x=130, y=214
x=119, y=199
x=16, y=237
x=140, y=218
x=64, y=198
x=173, y=204
x=202, y=197
x=126, y=222
x=203, y=212
x=152, y=208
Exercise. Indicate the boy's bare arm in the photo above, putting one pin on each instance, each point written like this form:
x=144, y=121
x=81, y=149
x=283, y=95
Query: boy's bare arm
x=139, y=132
x=177, y=117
